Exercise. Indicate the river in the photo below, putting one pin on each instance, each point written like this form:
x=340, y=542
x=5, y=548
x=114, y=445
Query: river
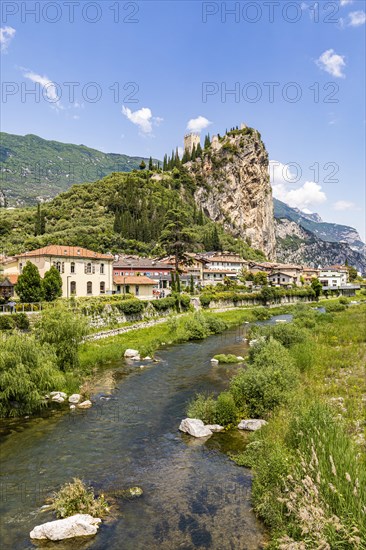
x=194, y=495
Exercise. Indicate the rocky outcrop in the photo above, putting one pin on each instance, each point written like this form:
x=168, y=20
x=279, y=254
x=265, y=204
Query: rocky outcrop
x=300, y=246
x=79, y=525
x=233, y=187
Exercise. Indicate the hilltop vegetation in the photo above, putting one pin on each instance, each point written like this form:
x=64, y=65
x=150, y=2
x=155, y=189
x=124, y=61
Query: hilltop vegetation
x=33, y=168
x=122, y=212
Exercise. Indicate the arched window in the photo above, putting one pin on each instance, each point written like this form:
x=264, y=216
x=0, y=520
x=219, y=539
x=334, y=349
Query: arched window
x=102, y=287
x=88, y=268
x=57, y=266
x=102, y=269
x=89, y=287
x=73, y=288
x=72, y=267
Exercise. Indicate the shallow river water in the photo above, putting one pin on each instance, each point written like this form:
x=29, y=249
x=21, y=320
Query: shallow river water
x=194, y=496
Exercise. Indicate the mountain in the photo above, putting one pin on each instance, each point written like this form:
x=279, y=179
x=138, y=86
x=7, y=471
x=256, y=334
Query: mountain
x=233, y=187
x=302, y=239
x=329, y=232
x=123, y=212
x=35, y=169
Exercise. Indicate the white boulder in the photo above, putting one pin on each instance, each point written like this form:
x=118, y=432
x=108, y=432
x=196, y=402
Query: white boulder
x=79, y=525
x=194, y=427
x=131, y=353
x=62, y=393
x=252, y=424
x=72, y=407
x=75, y=398
x=85, y=404
x=215, y=427
x=57, y=398
x=214, y=362
x=240, y=358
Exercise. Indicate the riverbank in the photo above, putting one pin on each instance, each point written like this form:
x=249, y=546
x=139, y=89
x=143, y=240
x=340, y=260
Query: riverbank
x=309, y=461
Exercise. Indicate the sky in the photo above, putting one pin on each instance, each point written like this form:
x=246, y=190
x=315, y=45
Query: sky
x=134, y=77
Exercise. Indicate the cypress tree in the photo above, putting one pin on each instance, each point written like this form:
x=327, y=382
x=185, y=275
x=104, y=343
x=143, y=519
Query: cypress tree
x=172, y=283
x=207, y=142
x=199, y=151
x=191, y=285
x=151, y=166
x=165, y=163
x=193, y=154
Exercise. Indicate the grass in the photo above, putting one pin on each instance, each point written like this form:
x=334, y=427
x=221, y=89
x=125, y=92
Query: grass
x=78, y=498
x=229, y=358
x=309, y=462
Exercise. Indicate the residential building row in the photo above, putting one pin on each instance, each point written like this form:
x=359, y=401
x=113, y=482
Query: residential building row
x=88, y=273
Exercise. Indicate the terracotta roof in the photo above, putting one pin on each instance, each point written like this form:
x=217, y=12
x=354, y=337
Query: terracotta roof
x=70, y=251
x=13, y=279
x=222, y=271
x=131, y=262
x=133, y=280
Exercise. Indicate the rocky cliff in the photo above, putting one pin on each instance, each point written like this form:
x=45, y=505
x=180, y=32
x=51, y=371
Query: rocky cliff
x=298, y=245
x=233, y=187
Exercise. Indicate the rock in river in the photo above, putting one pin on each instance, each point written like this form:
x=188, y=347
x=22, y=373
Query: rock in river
x=74, y=398
x=194, y=427
x=131, y=353
x=215, y=427
x=214, y=361
x=79, y=525
x=252, y=424
x=85, y=404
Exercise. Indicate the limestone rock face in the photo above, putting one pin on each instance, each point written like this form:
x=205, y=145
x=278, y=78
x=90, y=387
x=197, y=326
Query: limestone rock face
x=79, y=525
x=233, y=188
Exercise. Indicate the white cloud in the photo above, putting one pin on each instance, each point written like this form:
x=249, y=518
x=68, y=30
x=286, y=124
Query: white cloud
x=6, y=36
x=332, y=63
x=49, y=88
x=143, y=118
x=283, y=180
x=198, y=124
x=344, y=205
x=356, y=18
x=345, y=2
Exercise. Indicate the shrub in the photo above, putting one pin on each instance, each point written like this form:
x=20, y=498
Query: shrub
x=6, y=322
x=64, y=331
x=229, y=358
x=332, y=308
x=205, y=300
x=21, y=321
x=202, y=407
x=185, y=301
x=131, y=307
x=77, y=498
x=226, y=411
x=267, y=382
x=261, y=314
x=343, y=300
x=164, y=303
x=28, y=370
x=288, y=334
x=196, y=327
x=215, y=325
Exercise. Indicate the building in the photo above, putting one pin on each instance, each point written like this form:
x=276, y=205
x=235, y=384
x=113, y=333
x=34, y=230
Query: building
x=273, y=269
x=333, y=277
x=310, y=273
x=139, y=285
x=190, y=141
x=214, y=276
x=281, y=278
x=159, y=271
x=83, y=272
x=7, y=286
x=225, y=261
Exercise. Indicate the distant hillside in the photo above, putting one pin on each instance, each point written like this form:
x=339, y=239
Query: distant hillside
x=329, y=232
x=35, y=169
x=301, y=238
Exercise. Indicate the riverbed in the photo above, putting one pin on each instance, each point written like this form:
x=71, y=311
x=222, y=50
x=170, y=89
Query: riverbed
x=194, y=495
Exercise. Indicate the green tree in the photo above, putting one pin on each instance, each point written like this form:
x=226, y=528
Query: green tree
x=165, y=163
x=52, y=285
x=191, y=285
x=260, y=278
x=64, y=331
x=151, y=166
x=29, y=285
x=40, y=223
x=175, y=236
x=199, y=151
x=216, y=243
x=352, y=272
x=317, y=287
x=142, y=165
x=207, y=141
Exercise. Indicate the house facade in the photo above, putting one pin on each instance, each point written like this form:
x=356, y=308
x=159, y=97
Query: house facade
x=134, y=266
x=83, y=272
x=138, y=285
x=333, y=277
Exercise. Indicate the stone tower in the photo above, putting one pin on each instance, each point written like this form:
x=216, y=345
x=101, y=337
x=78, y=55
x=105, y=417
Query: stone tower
x=191, y=140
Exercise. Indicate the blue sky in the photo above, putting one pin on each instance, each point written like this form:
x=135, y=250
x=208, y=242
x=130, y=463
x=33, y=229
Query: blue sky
x=143, y=72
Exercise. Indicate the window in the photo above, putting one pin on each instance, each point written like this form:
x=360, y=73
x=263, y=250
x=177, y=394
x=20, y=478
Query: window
x=102, y=269
x=102, y=287
x=73, y=288
x=72, y=267
x=88, y=268
x=58, y=266
x=137, y=290
x=89, y=287
x=20, y=267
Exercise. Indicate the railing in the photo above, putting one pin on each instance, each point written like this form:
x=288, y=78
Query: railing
x=20, y=308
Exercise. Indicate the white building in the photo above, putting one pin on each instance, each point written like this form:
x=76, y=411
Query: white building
x=333, y=277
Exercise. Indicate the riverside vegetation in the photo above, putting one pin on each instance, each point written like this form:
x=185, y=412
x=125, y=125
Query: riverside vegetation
x=307, y=380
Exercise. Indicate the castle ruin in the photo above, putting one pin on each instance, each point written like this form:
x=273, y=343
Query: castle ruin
x=190, y=141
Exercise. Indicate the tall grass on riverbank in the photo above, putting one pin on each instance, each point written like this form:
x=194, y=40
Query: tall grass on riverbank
x=309, y=462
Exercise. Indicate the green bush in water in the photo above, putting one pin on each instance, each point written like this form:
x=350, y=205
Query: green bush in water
x=77, y=498
x=226, y=411
x=226, y=358
x=203, y=407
